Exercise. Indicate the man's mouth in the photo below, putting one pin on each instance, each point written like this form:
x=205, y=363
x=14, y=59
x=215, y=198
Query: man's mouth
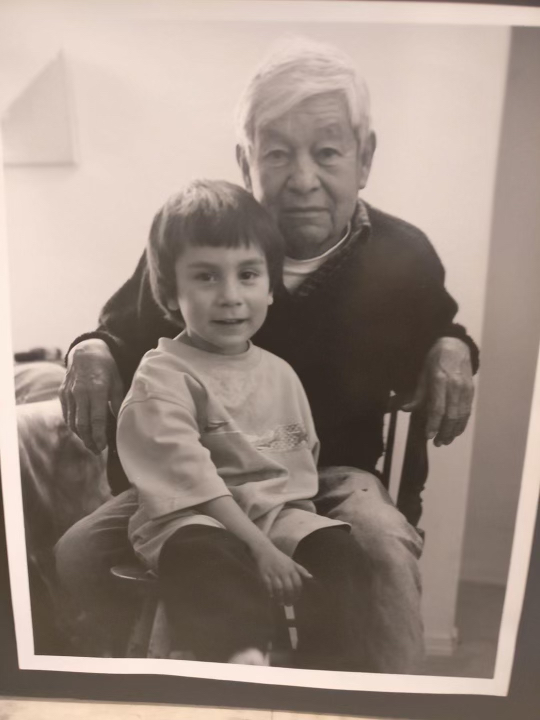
x=303, y=210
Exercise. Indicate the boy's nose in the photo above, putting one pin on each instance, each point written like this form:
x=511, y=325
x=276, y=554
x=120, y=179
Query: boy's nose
x=230, y=293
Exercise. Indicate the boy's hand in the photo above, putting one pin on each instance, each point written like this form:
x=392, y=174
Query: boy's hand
x=281, y=575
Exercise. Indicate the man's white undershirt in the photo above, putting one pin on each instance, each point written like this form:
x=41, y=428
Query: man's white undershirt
x=296, y=271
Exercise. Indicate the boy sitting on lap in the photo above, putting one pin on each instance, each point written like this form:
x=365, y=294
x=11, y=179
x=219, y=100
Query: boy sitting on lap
x=217, y=436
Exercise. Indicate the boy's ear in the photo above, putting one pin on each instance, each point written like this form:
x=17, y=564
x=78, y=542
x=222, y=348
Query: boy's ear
x=243, y=164
x=172, y=304
x=270, y=298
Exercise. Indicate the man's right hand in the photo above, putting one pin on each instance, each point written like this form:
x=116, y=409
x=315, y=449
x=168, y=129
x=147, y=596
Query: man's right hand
x=92, y=382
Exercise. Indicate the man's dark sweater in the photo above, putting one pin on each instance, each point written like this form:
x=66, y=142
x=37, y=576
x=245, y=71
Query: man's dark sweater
x=357, y=329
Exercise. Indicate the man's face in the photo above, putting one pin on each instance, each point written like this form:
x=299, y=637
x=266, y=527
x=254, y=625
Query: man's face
x=306, y=168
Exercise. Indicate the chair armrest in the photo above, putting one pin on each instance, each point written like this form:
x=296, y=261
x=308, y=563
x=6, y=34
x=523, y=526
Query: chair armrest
x=415, y=469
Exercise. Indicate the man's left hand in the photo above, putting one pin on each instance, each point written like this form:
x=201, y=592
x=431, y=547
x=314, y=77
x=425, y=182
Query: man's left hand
x=446, y=390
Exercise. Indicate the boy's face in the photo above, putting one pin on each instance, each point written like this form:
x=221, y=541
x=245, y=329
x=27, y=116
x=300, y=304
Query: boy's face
x=223, y=294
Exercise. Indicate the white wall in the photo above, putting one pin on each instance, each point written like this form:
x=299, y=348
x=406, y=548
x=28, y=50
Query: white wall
x=512, y=324
x=153, y=103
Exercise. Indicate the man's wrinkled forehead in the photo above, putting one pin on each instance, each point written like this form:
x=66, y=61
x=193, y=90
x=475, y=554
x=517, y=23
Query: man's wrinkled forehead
x=327, y=116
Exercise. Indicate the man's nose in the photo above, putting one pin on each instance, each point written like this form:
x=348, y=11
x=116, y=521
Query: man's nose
x=304, y=177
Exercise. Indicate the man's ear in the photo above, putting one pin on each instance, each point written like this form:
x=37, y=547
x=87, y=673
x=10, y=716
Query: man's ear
x=270, y=298
x=172, y=304
x=243, y=164
x=365, y=158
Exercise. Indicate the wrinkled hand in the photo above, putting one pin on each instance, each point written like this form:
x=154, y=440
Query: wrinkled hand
x=446, y=390
x=92, y=382
x=281, y=575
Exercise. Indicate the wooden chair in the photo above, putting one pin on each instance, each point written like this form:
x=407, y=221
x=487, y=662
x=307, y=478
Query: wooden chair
x=150, y=636
x=415, y=466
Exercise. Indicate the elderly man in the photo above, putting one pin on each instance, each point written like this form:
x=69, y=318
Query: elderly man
x=362, y=312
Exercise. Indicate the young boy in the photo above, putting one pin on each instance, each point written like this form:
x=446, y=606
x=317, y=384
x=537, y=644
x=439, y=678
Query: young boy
x=217, y=436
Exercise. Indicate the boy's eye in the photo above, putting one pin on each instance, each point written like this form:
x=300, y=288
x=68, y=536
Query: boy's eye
x=205, y=276
x=249, y=274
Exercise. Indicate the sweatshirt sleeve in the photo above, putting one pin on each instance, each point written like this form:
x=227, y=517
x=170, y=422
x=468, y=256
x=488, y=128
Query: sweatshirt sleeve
x=436, y=294
x=430, y=315
x=160, y=449
x=131, y=322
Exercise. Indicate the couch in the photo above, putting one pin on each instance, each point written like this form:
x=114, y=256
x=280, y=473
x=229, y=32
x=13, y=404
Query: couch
x=61, y=482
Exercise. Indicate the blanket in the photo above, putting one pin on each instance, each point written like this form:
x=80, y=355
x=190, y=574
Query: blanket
x=61, y=483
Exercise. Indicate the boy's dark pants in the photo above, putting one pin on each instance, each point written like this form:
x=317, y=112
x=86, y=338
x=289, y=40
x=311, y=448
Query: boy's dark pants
x=218, y=605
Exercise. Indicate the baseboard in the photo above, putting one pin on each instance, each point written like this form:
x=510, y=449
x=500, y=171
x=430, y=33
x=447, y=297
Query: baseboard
x=441, y=645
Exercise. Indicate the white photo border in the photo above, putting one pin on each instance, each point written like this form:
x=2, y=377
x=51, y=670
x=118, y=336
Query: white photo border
x=394, y=12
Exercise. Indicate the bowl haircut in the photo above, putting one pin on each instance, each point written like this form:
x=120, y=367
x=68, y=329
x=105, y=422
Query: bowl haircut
x=208, y=213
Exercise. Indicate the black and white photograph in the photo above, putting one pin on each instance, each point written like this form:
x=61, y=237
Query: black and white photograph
x=272, y=321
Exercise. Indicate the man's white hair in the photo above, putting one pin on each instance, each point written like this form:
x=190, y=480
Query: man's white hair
x=297, y=69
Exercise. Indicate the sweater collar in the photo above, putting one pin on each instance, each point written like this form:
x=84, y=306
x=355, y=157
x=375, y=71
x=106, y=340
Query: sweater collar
x=360, y=232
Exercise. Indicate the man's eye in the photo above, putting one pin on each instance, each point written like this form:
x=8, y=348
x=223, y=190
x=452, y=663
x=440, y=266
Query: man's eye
x=328, y=154
x=276, y=156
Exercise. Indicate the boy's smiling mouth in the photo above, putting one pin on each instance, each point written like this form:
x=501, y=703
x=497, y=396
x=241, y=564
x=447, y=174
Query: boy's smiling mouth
x=230, y=321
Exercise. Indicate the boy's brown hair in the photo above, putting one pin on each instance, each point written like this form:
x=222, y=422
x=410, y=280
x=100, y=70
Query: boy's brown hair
x=213, y=213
